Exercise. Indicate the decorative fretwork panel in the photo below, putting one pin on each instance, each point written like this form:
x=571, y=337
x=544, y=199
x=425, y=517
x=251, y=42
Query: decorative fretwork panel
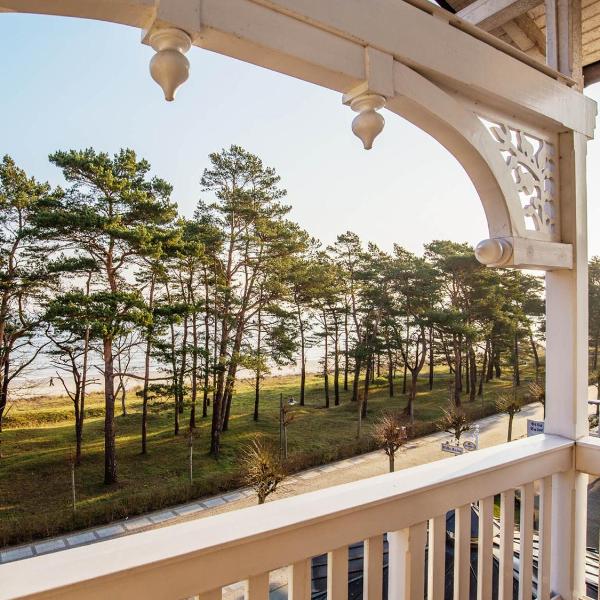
x=532, y=164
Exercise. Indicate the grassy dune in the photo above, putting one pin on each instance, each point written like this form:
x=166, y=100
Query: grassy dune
x=35, y=477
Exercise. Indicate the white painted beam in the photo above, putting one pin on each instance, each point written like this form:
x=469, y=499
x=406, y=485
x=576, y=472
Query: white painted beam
x=538, y=254
x=135, y=13
x=323, y=42
x=443, y=51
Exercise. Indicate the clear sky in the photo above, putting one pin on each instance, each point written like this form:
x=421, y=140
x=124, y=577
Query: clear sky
x=70, y=83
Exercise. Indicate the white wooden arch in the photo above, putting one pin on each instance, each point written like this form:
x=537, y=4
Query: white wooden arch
x=445, y=76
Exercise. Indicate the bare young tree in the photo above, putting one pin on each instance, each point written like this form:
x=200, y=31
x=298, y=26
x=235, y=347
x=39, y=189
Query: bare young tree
x=261, y=467
x=454, y=421
x=537, y=393
x=511, y=405
x=390, y=435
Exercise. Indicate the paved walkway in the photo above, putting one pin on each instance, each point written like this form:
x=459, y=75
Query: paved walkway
x=493, y=431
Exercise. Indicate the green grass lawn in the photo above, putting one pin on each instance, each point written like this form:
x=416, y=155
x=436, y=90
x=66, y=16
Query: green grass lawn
x=35, y=476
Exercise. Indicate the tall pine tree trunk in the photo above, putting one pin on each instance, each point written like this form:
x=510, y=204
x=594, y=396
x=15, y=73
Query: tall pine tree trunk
x=194, y=389
x=183, y=366
x=467, y=373
x=357, y=368
x=431, y=360
x=326, y=362
x=536, y=356
x=302, y=355
x=110, y=455
x=365, y=402
x=517, y=368
x=490, y=368
x=390, y=371
x=84, y=370
x=258, y=368
x=219, y=388
x=472, y=374
x=497, y=367
x=457, y=371
x=205, y=400
x=346, y=350
x=146, y=386
x=483, y=368
x=336, y=378
x=412, y=394
x=407, y=342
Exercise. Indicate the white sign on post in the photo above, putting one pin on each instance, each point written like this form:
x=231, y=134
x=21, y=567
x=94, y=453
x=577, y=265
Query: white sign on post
x=453, y=449
x=534, y=427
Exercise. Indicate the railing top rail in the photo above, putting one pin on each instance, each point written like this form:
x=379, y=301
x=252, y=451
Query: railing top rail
x=193, y=557
x=587, y=455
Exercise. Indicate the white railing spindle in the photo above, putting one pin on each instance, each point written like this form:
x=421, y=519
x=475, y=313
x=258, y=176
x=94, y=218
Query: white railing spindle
x=373, y=568
x=507, y=541
x=545, y=538
x=526, y=546
x=406, y=570
x=299, y=580
x=257, y=587
x=337, y=574
x=462, y=552
x=436, y=559
x=485, y=548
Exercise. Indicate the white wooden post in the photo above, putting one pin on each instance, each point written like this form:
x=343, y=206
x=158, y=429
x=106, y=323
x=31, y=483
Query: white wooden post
x=485, y=548
x=566, y=370
x=406, y=562
x=436, y=559
x=462, y=552
x=526, y=542
x=257, y=587
x=299, y=580
x=337, y=574
x=545, y=538
x=373, y=568
x=507, y=543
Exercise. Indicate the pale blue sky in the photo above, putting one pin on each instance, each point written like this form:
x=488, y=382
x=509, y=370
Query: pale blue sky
x=73, y=83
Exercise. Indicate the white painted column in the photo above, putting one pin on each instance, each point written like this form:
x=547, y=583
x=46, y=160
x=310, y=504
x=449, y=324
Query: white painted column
x=566, y=370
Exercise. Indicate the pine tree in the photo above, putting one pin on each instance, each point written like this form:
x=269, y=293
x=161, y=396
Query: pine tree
x=24, y=275
x=110, y=213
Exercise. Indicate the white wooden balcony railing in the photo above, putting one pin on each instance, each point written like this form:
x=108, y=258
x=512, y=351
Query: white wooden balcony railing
x=198, y=558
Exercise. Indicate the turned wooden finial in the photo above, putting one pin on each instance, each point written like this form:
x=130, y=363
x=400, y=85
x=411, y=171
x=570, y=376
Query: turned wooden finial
x=169, y=67
x=368, y=124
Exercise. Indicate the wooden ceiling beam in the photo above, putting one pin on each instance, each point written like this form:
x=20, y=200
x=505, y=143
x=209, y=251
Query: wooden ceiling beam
x=591, y=73
x=534, y=33
x=490, y=14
